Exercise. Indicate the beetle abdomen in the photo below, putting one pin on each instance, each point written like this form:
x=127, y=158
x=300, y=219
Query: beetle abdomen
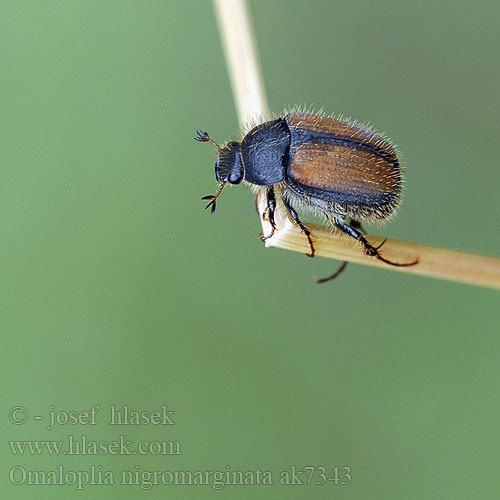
x=343, y=163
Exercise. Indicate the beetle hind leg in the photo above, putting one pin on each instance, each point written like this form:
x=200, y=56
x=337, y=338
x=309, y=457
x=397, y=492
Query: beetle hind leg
x=370, y=250
x=340, y=270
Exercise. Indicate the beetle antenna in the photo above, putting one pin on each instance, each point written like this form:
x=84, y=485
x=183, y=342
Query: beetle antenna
x=204, y=137
x=213, y=197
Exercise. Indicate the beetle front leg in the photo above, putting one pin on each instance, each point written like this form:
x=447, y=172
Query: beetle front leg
x=295, y=219
x=271, y=207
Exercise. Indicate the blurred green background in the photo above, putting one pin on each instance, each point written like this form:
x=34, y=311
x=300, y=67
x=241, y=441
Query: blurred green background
x=117, y=288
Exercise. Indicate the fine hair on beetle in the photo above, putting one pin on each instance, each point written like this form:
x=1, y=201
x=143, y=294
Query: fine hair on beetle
x=339, y=169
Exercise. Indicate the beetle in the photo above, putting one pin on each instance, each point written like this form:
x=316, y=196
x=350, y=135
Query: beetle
x=346, y=172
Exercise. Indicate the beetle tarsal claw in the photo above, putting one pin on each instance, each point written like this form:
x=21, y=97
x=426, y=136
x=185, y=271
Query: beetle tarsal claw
x=270, y=235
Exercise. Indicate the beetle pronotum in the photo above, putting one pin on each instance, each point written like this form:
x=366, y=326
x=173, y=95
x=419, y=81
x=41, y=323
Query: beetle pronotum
x=346, y=172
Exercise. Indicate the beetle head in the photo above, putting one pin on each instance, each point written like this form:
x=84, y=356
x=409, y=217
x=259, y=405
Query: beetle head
x=228, y=166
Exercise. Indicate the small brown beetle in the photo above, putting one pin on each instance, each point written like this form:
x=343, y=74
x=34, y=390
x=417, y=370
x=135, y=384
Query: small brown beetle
x=346, y=172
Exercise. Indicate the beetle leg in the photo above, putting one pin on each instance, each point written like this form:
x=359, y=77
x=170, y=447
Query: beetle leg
x=300, y=224
x=332, y=276
x=369, y=248
x=271, y=206
x=356, y=225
